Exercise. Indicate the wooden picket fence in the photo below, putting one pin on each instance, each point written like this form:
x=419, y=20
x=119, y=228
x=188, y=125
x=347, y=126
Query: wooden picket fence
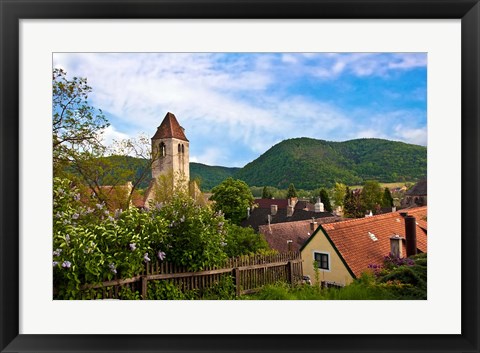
x=249, y=273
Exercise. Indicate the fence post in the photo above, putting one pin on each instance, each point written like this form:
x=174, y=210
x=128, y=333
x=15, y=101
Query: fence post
x=236, y=273
x=290, y=271
x=144, y=287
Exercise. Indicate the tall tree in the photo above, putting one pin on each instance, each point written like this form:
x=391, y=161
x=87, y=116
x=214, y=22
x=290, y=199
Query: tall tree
x=292, y=192
x=387, y=200
x=352, y=205
x=76, y=125
x=371, y=194
x=233, y=197
x=266, y=193
x=325, y=200
x=339, y=192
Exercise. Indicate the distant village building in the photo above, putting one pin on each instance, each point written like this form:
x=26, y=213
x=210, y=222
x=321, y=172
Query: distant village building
x=416, y=196
x=290, y=236
x=343, y=250
x=273, y=211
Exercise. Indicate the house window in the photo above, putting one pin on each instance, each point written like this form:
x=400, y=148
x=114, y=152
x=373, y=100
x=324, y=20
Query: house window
x=322, y=261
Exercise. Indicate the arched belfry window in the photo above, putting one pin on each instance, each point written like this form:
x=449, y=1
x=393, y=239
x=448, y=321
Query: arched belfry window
x=162, y=150
x=179, y=148
x=183, y=148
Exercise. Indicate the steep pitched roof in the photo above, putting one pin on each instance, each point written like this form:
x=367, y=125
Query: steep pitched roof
x=281, y=203
x=419, y=189
x=298, y=232
x=365, y=241
x=170, y=128
x=259, y=216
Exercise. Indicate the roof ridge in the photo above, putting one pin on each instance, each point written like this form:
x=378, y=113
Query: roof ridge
x=375, y=217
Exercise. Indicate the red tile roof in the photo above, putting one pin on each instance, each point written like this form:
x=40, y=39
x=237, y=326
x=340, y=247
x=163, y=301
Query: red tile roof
x=353, y=241
x=278, y=234
x=170, y=128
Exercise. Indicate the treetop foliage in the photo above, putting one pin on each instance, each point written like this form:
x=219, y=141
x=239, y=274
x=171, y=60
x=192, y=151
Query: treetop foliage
x=232, y=197
x=76, y=125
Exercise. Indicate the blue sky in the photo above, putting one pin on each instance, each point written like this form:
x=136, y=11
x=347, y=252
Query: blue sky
x=235, y=106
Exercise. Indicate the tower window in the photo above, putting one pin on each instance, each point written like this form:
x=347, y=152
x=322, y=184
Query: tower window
x=161, y=150
x=179, y=148
x=183, y=148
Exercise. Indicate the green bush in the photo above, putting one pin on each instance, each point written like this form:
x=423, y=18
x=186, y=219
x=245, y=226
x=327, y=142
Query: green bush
x=94, y=245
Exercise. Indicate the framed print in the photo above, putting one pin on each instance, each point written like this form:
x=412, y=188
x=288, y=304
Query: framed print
x=195, y=40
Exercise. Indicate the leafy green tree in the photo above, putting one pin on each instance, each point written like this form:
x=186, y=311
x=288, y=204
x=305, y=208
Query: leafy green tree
x=232, y=197
x=371, y=195
x=195, y=235
x=387, y=200
x=266, y=193
x=76, y=125
x=243, y=241
x=339, y=192
x=352, y=205
x=325, y=200
x=292, y=192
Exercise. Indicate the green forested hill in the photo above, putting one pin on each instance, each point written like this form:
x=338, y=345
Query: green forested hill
x=310, y=163
x=210, y=176
x=125, y=168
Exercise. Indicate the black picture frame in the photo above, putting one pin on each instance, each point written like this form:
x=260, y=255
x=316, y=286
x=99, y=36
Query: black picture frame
x=12, y=11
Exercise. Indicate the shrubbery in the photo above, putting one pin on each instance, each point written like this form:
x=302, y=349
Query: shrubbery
x=397, y=279
x=92, y=244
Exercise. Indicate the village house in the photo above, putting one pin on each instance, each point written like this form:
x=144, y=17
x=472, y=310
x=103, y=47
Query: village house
x=273, y=211
x=342, y=251
x=416, y=196
x=290, y=236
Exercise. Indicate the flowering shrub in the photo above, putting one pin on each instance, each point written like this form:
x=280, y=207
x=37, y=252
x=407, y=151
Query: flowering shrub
x=94, y=245
x=195, y=234
x=390, y=261
x=406, y=278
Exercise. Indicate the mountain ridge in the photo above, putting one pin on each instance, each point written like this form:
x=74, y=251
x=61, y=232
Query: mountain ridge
x=311, y=163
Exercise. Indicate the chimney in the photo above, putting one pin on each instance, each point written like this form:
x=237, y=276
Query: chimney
x=396, y=246
x=290, y=210
x=293, y=201
x=289, y=245
x=313, y=224
x=394, y=209
x=410, y=235
x=273, y=209
x=269, y=219
x=319, y=206
x=248, y=212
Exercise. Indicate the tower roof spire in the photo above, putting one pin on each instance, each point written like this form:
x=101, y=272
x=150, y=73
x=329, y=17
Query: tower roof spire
x=170, y=128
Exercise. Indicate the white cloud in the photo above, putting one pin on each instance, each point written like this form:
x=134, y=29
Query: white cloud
x=229, y=103
x=110, y=134
x=366, y=64
x=416, y=136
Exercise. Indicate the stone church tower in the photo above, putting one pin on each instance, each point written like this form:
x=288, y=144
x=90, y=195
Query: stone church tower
x=170, y=149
